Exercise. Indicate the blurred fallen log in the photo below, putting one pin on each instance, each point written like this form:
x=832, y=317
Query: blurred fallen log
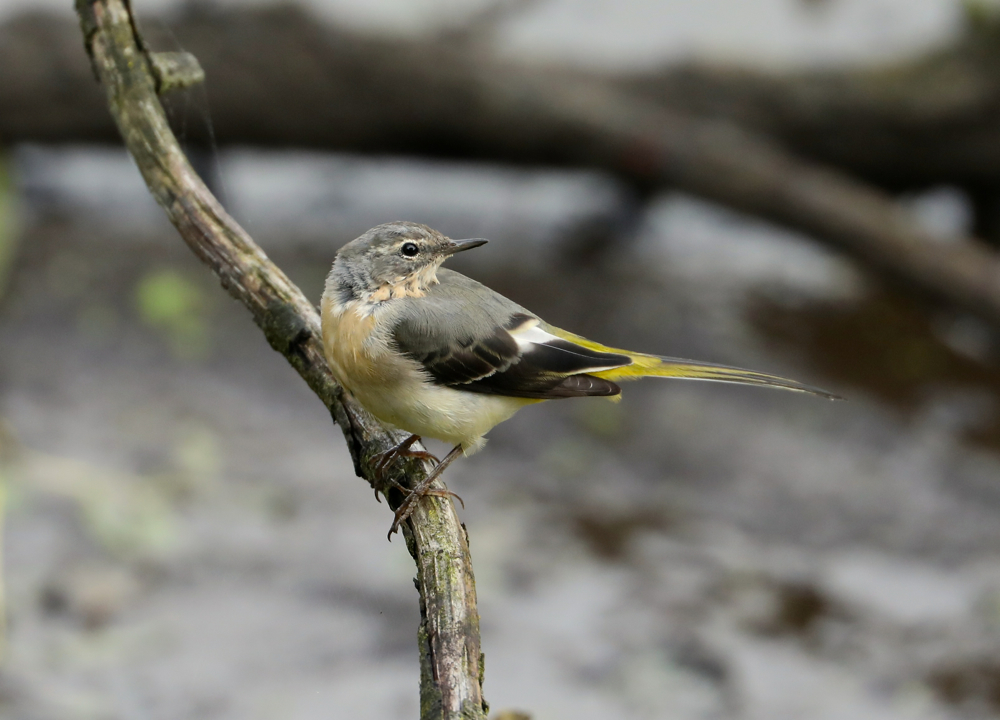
x=450, y=659
x=930, y=120
x=922, y=122
x=278, y=77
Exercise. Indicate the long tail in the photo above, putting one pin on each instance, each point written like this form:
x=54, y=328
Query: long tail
x=654, y=366
x=643, y=365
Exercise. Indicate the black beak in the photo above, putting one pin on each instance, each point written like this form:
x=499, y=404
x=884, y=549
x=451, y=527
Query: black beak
x=457, y=246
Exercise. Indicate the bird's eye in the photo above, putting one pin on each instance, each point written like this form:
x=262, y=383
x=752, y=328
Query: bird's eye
x=410, y=249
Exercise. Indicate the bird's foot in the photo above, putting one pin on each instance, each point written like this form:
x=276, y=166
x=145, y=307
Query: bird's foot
x=423, y=489
x=408, y=505
x=433, y=492
x=384, y=460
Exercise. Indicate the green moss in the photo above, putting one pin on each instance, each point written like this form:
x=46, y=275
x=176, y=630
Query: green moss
x=171, y=303
x=430, y=696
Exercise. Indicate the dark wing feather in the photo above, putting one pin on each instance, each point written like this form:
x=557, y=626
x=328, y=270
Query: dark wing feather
x=471, y=348
x=562, y=356
x=466, y=359
x=527, y=380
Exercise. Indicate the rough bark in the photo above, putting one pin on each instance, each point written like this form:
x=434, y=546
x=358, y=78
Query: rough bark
x=449, y=632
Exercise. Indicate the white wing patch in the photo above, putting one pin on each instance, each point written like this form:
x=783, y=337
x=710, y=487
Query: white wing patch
x=529, y=336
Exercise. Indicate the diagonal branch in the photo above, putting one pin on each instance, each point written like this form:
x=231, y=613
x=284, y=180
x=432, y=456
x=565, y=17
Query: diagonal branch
x=450, y=682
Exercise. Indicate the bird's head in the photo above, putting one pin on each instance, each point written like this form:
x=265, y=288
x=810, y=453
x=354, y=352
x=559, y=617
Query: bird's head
x=397, y=259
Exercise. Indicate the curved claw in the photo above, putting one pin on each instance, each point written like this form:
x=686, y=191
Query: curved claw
x=404, y=511
x=407, y=507
x=422, y=489
x=449, y=493
x=423, y=455
x=385, y=459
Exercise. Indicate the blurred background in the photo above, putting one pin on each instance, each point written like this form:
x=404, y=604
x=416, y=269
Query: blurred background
x=183, y=533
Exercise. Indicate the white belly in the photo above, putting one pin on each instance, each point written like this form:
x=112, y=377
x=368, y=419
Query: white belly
x=397, y=390
x=442, y=413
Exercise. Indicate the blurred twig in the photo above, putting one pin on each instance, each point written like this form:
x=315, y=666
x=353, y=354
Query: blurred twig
x=9, y=235
x=451, y=664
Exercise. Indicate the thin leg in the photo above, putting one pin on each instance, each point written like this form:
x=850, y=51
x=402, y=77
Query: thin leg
x=423, y=488
x=384, y=460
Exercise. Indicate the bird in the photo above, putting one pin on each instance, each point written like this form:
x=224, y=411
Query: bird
x=439, y=355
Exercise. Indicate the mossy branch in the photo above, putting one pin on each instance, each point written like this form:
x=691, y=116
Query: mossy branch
x=450, y=677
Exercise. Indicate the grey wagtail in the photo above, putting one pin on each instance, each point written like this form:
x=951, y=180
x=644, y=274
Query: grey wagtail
x=440, y=355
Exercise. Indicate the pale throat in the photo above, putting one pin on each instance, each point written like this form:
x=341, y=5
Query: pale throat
x=414, y=285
